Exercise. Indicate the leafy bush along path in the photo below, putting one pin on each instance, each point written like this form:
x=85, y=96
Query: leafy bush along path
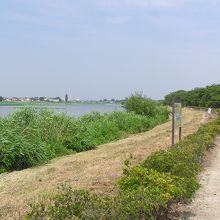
x=206, y=203
x=96, y=170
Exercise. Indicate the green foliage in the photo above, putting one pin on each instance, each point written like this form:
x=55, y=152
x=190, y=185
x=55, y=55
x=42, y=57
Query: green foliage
x=144, y=106
x=30, y=137
x=66, y=98
x=80, y=204
x=201, y=97
x=145, y=191
x=152, y=181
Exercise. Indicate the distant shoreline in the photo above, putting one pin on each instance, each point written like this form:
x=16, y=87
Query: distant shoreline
x=19, y=103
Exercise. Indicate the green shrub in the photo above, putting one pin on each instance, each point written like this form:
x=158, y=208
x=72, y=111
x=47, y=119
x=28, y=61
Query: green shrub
x=145, y=106
x=79, y=204
x=73, y=204
x=173, y=162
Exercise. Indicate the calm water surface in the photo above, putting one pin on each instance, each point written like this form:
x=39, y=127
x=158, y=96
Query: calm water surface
x=75, y=109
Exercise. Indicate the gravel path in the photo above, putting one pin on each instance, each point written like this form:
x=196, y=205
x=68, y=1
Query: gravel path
x=206, y=203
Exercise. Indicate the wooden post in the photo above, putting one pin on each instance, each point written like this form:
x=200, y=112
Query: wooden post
x=180, y=133
x=173, y=126
x=176, y=119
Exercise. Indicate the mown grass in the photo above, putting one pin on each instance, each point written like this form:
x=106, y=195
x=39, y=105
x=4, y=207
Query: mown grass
x=31, y=137
x=145, y=191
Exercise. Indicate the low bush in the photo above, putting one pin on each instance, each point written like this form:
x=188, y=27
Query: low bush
x=139, y=203
x=145, y=191
x=142, y=105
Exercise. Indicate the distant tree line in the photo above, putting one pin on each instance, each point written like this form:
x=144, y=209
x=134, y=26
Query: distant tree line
x=201, y=97
x=1, y=98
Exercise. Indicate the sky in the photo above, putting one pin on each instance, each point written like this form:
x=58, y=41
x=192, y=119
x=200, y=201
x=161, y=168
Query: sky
x=95, y=49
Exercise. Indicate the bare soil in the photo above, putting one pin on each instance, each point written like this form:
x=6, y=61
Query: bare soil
x=96, y=170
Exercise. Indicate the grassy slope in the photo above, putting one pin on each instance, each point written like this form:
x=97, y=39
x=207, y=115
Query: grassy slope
x=96, y=170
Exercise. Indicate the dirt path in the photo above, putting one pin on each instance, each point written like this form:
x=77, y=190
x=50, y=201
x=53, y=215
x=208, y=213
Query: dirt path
x=96, y=170
x=206, y=203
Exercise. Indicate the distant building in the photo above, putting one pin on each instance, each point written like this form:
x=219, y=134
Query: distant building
x=54, y=100
x=24, y=99
x=14, y=99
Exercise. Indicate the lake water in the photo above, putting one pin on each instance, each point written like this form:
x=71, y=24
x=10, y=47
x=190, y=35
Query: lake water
x=75, y=109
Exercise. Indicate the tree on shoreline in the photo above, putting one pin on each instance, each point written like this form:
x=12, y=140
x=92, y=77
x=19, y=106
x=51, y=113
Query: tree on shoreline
x=66, y=98
x=1, y=99
x=141, y=105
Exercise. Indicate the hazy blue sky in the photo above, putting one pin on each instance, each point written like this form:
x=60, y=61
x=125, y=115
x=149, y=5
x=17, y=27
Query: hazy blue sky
x=107, y=48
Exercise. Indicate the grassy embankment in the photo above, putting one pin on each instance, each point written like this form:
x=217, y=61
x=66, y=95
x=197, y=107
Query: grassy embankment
x=31, y=137
x=146, y=190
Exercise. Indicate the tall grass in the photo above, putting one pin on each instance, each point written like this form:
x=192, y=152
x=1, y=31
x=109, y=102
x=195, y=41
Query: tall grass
x=30, y=137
